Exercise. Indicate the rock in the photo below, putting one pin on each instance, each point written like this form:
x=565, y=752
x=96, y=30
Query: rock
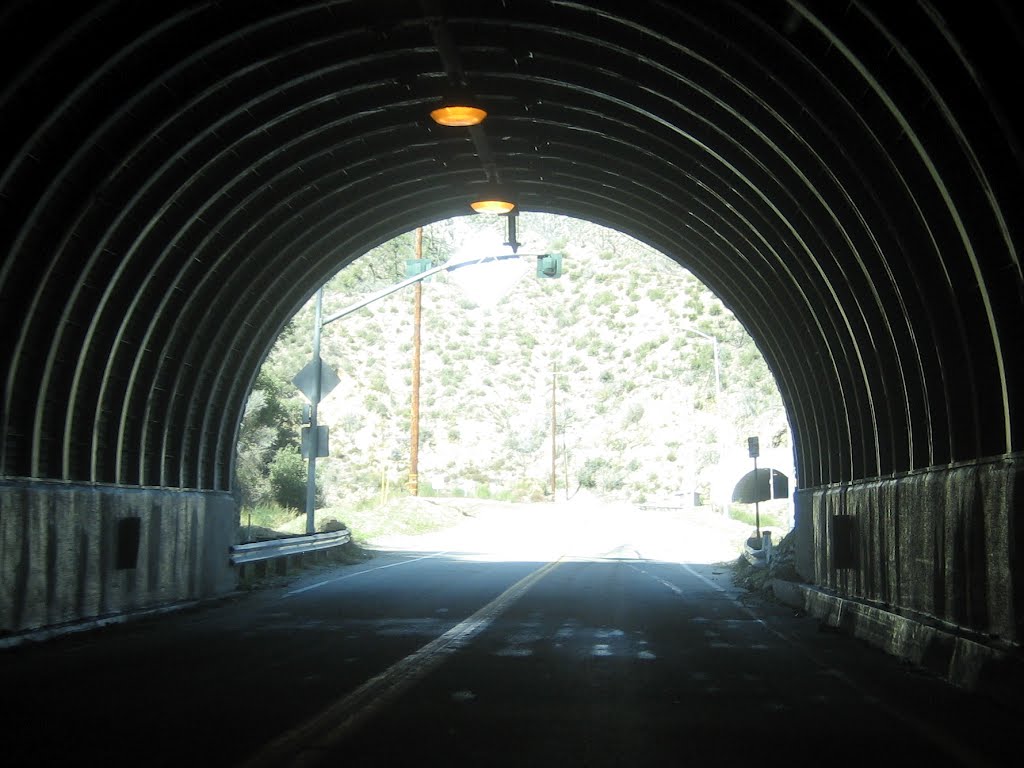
x=782, y=567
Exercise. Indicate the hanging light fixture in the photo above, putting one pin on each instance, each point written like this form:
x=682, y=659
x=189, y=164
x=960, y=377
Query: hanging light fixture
x=494, y=199
x=458, y=115
x=458, y=108
x=492, y=206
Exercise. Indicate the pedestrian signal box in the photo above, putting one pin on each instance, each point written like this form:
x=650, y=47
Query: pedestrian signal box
x=549, y=265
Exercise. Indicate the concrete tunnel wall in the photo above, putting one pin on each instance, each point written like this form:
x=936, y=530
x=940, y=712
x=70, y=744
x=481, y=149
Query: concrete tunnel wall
x=176, y=179
x=936, y=543
x=62, y=558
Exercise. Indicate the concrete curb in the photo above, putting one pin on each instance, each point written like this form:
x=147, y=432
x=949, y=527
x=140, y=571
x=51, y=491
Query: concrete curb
x=45, y=634
x=248, y=573
x=967, y=663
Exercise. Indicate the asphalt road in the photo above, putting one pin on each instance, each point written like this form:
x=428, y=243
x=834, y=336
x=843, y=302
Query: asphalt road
x=454, y=659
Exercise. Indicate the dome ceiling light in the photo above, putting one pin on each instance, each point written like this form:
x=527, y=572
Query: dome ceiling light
x=492, y=206
x=458, y=109
x=494, y=199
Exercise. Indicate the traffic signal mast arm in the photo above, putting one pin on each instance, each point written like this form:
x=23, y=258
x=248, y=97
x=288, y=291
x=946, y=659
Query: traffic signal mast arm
x=446, y=267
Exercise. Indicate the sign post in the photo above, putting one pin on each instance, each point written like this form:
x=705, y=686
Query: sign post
x=314, y=381
x=754, y=449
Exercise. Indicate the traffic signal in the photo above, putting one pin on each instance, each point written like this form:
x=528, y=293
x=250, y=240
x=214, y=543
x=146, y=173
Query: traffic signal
x=415, y=267
x=549, y=265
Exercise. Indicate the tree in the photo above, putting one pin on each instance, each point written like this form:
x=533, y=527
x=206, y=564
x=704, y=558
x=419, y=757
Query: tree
x=270, y=425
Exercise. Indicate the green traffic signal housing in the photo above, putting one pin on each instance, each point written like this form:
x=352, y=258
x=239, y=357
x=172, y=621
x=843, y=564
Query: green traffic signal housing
x=415, y=267
x=549, y=265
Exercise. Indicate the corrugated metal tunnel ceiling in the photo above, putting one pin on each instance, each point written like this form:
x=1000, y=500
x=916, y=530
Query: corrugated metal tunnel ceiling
x=177, y=178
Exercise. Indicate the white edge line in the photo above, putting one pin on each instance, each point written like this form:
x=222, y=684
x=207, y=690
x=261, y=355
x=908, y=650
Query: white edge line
x=359, y=573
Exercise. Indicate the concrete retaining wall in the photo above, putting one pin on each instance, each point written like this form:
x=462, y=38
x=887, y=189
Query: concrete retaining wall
x=944, y=542
x=72, y=552
x=974, y=666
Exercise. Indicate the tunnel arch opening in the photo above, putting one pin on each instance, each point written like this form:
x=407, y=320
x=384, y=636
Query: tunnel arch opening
x=842, y=175
x=644, y=380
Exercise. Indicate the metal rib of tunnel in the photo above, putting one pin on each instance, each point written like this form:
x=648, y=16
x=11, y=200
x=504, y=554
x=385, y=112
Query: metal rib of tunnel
x=178, y=179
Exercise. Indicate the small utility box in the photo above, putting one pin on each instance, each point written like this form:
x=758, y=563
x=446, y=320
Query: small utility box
x=322, y=442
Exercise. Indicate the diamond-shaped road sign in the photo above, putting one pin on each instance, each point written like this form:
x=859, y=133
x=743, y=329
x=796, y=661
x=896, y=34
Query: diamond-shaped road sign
x=306, y=379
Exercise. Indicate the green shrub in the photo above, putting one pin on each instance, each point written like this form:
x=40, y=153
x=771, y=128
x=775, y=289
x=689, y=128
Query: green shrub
x=374, y=404
x=288, y=475
x=566, y=319
x=272, y=516
x=587, y=476
x=527, y=340
x=746, y=513
x=634, y=415
x=378, y=381
x=451, y=376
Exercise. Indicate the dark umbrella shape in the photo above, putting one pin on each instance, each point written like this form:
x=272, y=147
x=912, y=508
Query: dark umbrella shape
x=761, y=484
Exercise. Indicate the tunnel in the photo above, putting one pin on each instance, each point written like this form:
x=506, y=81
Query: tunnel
x=178, y=179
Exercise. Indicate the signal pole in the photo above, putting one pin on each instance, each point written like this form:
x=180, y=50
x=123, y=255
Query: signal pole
x=314, y=400
x=310, y=380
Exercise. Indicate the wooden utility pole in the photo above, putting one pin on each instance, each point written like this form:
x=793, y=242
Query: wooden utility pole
x=565, y=462
x=554, y=476
x=414, y=447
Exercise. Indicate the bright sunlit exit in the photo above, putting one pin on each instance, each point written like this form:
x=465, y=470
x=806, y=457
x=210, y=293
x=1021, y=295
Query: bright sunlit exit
x=601, y=414
x=487, y=283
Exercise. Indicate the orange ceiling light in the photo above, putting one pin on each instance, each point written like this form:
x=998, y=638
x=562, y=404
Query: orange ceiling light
x=493, y=198
x=457, y=107
x=458, y=115
x=492, y=206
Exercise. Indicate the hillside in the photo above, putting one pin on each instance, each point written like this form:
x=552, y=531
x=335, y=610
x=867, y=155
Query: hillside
x=636, y=407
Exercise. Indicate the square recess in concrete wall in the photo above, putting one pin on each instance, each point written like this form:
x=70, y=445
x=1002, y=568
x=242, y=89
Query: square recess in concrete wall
x=129, y=530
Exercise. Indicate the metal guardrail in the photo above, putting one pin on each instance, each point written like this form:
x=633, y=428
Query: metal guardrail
x=295, y=545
